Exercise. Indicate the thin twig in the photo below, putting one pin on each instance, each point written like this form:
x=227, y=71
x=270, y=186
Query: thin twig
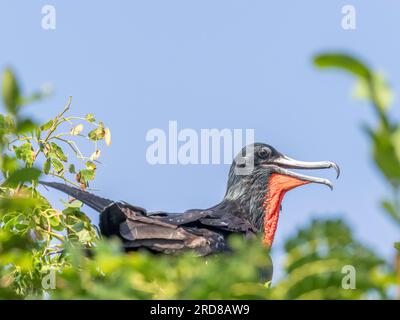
x=55, y=123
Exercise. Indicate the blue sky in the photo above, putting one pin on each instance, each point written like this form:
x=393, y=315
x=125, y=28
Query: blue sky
x=214, y=64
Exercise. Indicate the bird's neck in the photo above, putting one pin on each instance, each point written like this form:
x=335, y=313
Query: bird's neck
x=247, y=193
x=258, y=198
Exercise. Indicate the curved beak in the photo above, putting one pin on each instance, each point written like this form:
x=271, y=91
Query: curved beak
x=282, y=163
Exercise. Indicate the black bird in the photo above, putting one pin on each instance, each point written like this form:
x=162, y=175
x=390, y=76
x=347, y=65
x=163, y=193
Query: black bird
x=258, y=180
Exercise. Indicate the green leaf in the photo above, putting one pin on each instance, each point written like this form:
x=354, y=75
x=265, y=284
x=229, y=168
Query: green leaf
x=11, y=92
x=25, y=153
x=55, y=221
x=22, y=175
x=71, y=168
x=25, y=125
x=90, y=118
x=76, y=204
x=18, y=204
x=9, y=164
x=47, y=166
x=370, y=85
x=344, y=62
x=38, y=133
x=90, y=165
x=58, y=152
x=7, y=124
x=47, y=125
x=84, y=176
x=397, y=245
x=78, y=226
x=98, y=133
x=73, y=212
x=386, y=153
x=84, y=236
x=87, y=174
x=391, y=210
x=58, y=166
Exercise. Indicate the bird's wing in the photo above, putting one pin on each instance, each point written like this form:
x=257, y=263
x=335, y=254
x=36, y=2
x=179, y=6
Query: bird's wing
x=228, y=222
x=224, y=218
x=140, y=231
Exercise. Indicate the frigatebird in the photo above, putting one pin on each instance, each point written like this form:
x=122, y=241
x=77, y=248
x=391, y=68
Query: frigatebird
x=251, y=205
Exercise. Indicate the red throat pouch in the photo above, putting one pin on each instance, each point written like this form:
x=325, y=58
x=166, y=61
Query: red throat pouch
x=278, y=185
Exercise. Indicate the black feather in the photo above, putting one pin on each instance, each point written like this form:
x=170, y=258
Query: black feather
x=91, y=200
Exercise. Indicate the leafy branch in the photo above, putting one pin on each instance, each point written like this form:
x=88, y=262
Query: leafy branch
x=26, y=216
x=384, y=136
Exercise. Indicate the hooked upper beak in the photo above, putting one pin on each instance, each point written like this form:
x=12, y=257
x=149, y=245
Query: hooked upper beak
x=282, y=163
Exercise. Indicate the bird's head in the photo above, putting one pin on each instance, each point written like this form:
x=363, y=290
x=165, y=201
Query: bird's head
x=259, y=177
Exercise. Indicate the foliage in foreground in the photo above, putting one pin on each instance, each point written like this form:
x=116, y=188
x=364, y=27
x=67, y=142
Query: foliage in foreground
x=32, y=232
x=384, y=135
x=111, y=274
x=315, y=258
x=319, y=257
x=49, y=253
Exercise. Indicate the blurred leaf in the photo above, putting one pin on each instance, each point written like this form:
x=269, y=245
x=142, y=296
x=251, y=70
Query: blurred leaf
x=90, y=165
x=139, y=275
x=47, y=125
x=72, y=204
x=343, y=61
x=107, y=136
x=21, y=176
x=98, y=133
x=18, y=204
x=71, y=168
x=78, y=226
x=47, y=166
x=315, y=259
x=385, y=151
x=11, y=92
x=25, y=125
x=391, y=210
x=90, y=118
x=95, y=155
x=87, y=174
x=383, y=92
x=7, y=124
x=77, y=129
x=9, y=164
x=35, y=97
x=25, y=153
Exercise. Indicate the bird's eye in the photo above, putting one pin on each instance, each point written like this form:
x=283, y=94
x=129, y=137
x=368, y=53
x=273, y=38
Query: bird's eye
x=264, y=153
